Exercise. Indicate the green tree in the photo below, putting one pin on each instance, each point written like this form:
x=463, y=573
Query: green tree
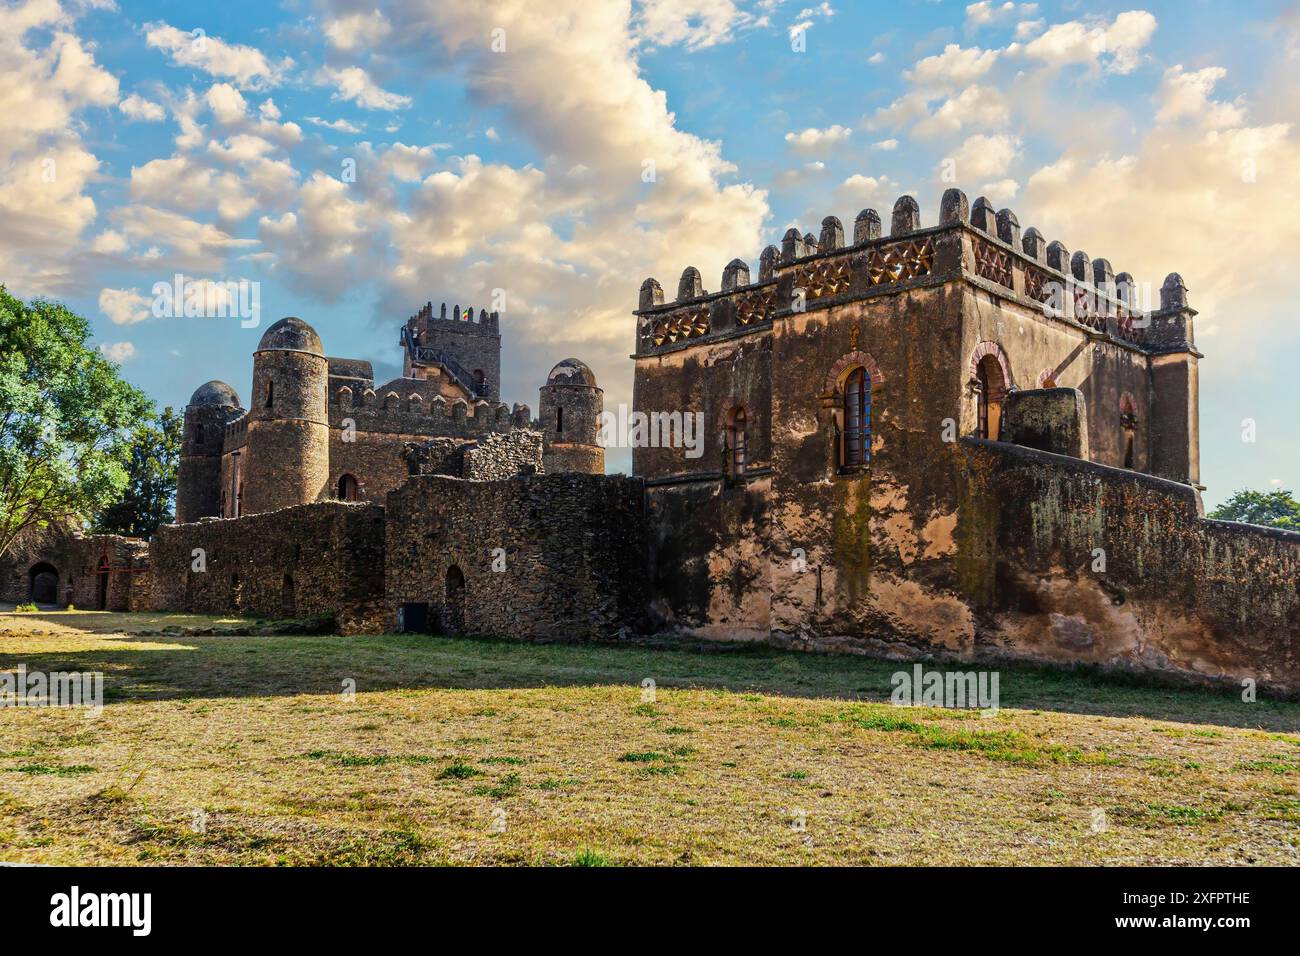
x=151, y=480
x=66, y=420
x=1274, y=509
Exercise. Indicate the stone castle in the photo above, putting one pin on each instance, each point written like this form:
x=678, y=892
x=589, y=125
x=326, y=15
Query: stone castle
x=956, y=441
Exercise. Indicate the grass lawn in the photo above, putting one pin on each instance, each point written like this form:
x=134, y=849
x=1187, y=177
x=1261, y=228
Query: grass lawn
x=223, y=749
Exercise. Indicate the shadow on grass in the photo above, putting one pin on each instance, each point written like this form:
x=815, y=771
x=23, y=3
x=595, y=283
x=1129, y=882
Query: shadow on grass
x=259, y=666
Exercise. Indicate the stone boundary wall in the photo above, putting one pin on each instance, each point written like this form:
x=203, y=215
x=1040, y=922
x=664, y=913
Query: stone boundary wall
x=76, y=559
x=1179, y=593
x=574, y=555
x=317, y=560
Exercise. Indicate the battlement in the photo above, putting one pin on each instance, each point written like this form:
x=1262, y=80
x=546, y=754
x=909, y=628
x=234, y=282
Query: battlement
x=972, y=242
x=488, y=323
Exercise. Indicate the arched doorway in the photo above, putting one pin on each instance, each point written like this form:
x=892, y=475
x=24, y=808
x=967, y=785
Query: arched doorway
x=453, y=617
x=102, y=574
x=43, y=583
x=991, y=388
x=348, y=488
x=288, y=599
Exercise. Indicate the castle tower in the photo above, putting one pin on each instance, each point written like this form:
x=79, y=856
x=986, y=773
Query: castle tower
x=466, y=346
x=288, y=427
x=569, y=405
x=198, y=484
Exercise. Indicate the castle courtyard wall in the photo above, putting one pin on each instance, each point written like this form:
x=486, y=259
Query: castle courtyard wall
x=571, y=564
x=331, y=552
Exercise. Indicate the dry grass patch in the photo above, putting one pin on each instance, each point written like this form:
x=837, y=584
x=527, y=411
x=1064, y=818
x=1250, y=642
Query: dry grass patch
x=244, y=749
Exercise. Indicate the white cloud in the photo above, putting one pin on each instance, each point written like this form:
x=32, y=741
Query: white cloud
x=124, y=306
x=137, y=107
x=44, y=167
x=108, y=243
x=246, y=66
x=1183, y=94
x=982, y=156
x=1116, y=47
x=694, y=24
x=227, y=103
x=357, y=31
x=813, y=139
x=340, y=125
x=1002, y=191
x=987, y=12
x=117, y=352
x=354, y=85
x=888, y=145
x=952, y=69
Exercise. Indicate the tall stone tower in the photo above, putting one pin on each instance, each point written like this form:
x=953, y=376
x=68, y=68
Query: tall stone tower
x=466, y=346
x=198, y=484
x=288, y=426
x=569, y=407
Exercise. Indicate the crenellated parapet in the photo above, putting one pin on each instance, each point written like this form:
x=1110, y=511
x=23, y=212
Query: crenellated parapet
x=973, y=241
x=489, y=322
x=400, y=409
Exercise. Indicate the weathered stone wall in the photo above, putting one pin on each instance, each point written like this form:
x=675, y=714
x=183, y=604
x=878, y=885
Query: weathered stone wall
x=574, y=555
x=1049, y=419
x=316, y=560
x=95, y=572
x=1178, y=593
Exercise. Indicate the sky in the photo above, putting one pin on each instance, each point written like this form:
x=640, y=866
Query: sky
x=357, y=161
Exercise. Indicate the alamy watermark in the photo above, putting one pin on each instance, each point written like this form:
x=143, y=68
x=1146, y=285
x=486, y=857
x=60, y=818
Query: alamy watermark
x=624, y=429
x=954, y=689
x=208, y=299
x=24, y=688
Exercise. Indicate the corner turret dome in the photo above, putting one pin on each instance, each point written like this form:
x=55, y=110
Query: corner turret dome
x=571, y=371
x=291, y=334
x=215, y=393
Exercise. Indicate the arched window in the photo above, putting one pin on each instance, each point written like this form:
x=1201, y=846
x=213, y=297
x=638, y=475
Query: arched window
x=480, y=382
x=270, y=392
x=856, y=439
x=738, y=441
x=347, y=488
x=991, y=389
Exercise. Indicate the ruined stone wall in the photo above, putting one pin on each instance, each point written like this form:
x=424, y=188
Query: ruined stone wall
x=1179, y=593
x=77, y=561
x=573, y=564
x=316, y=560
x=1049, y=419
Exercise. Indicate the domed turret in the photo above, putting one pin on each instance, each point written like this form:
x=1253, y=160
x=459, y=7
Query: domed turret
x=288, y=426
x=214, y=393
x=570, y=406
x=291, y=334
x=198, y=480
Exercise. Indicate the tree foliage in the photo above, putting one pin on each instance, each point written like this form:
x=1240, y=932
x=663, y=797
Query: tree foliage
x=1274, y=509
x=150, y=492
x=66, y=420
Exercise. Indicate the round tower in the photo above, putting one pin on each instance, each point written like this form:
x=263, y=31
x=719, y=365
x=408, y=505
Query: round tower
x=288, y=425
x=198, y=481
x=569, y=407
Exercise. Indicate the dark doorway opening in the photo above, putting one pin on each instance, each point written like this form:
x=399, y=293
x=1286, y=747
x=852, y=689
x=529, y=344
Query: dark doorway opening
x=414, y=618
x=43, y=583
x=453, y=615
x=288, y=600
x=347, y=488
x=103, y=575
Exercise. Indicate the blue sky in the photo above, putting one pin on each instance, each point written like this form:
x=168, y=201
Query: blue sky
x=500, y=150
